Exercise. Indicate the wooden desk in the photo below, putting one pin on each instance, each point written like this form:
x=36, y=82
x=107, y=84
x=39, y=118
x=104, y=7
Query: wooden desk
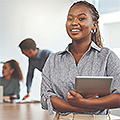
x=27, y=111
x=23, y=111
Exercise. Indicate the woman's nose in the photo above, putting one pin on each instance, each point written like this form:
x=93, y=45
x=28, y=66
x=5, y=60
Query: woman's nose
x=75, y=21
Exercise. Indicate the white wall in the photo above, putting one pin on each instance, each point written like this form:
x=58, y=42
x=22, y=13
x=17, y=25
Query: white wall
x=110, y=30
x=42, y=20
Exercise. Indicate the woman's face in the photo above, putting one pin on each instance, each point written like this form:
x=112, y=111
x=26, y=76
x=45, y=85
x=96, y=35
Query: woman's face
x=79, y=23
x=7, y=70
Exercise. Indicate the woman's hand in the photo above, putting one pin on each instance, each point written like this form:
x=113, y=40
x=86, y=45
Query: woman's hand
x=6, y=97
x=75, y=99
x=62, y=105
x=92, y=97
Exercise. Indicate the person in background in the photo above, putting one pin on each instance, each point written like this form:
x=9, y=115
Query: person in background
x=37, y=59
x=85, y=56
x=10, y=80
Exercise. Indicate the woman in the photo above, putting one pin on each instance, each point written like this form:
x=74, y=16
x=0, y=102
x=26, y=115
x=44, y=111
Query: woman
x=85, y=56
x=11, y=76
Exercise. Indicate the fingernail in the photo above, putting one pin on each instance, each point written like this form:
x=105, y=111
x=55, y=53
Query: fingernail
x=97, y=96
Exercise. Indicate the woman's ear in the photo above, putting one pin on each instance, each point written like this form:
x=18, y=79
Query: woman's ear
x=11, y=71
x=95, y=24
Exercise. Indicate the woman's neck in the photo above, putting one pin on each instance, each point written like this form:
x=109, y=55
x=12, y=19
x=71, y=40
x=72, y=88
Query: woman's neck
x=7, y=77
x=80, y=48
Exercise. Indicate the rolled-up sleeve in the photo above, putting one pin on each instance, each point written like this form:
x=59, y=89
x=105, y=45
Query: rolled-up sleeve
x=46, y=88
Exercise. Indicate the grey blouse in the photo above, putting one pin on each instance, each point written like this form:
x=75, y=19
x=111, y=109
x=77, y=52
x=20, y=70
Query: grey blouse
x=58, y=76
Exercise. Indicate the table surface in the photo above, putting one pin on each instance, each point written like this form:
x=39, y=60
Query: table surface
x=27, y=111
x=23, y=111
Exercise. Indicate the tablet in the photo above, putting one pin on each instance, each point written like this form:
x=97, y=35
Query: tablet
x=92, y=85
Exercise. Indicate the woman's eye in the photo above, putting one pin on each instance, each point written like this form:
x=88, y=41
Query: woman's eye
x=81, y=19
x=5, y=67
x=69, y=19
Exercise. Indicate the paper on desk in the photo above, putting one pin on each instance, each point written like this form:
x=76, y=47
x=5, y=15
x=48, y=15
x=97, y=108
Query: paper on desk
x=26, y=101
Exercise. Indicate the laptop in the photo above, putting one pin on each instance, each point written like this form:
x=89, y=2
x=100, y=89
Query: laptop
x=93, y=85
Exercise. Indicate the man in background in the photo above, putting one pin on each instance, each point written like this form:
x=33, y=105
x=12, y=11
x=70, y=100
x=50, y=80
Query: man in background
x=37, y=59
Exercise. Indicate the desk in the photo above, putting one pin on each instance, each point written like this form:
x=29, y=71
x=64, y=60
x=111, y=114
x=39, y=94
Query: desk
x=27, y=111
x=23, y=111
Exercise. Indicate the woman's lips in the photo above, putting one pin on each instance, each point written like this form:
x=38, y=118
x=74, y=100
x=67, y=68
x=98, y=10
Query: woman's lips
x=75, y=31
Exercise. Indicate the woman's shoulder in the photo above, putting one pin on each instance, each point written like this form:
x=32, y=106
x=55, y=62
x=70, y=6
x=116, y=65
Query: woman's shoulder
x=106, y=49
x=1, y=78
x=54, y=58
x=56, y=54
x=108, y=52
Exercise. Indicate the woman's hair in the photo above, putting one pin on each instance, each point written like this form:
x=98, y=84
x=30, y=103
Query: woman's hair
x=17, y=73
x=96, y=37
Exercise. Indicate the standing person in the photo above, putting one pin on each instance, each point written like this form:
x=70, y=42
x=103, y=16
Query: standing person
x=85, y=56
x=10, y=81
x=37, y=59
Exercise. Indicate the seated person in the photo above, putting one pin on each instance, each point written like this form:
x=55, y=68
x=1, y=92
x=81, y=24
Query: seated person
x=10, y=81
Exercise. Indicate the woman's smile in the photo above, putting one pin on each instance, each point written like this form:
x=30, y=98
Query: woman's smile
x=75, y=31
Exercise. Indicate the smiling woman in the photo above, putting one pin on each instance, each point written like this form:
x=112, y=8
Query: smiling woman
x=85, y=56
x=81, y=22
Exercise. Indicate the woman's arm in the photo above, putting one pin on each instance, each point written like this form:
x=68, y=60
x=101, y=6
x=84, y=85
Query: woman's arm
x=63, y=106
x=109, y=101
x=6, y=97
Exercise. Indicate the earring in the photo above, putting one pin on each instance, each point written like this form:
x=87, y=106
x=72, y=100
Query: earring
x=93, y=31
